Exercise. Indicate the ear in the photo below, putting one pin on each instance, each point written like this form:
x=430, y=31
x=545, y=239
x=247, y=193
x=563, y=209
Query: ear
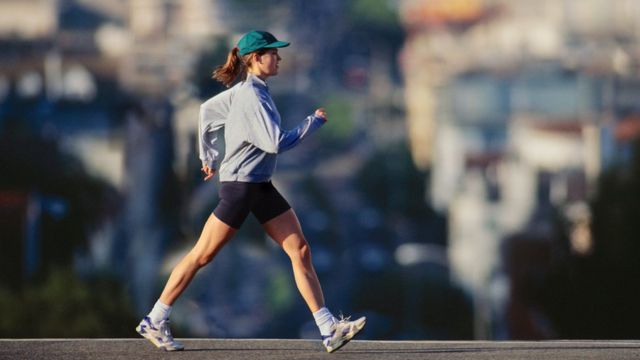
x=257, y=57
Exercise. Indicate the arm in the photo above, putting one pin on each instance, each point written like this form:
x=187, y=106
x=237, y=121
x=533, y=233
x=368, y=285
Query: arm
x=265, y=131
x=290, y=138
x=213, y=114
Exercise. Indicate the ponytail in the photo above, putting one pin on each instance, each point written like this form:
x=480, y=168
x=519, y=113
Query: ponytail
x=235, y=66
x=231, y=69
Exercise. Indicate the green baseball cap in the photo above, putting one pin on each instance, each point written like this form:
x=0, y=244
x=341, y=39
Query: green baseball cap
x=256, y=40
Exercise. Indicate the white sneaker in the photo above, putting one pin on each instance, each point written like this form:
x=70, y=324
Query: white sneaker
x=342, y=331
x=158, y=334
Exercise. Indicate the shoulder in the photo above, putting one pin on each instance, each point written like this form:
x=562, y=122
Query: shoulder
x=252, y=92
x=223, y=98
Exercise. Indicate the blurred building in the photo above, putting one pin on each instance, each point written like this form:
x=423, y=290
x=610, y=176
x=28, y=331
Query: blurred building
x=41, y=22
x=65, y=75
x=515, y=107
x=166, y=36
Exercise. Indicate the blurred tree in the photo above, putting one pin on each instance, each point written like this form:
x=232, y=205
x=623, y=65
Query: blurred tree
x=377, y=13
x=374, y=25
x=419, y=299
x=339, y=131
x=597, y=295
x=64, y=306
x=201, y=76
x=53, y=295
x=391, y=181
x=36, y=166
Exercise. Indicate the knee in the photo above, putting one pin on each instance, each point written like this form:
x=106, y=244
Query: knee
x=301, y=253
x=200, y=260
x=204, y=260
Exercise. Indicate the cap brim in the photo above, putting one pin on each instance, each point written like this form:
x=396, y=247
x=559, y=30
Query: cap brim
x=277, y=44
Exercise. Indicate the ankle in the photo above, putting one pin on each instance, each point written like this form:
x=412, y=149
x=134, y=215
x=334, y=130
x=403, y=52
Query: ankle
x=324, y=320
x=160, y=312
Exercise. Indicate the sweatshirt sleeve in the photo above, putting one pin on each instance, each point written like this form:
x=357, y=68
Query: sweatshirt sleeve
x=213, y=115
x=264, y=127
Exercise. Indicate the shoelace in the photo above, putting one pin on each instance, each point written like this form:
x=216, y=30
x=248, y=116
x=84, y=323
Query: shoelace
x=343, y=319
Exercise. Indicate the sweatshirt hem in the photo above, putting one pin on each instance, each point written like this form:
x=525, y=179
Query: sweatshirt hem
x=245, y=178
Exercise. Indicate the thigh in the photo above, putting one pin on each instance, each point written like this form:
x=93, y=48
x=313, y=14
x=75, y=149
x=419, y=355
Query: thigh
x=285, y=230
x=215, y=235
x=236, y=201
x=270, y=203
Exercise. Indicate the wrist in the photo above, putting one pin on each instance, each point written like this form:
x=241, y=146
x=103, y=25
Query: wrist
x=321, y=118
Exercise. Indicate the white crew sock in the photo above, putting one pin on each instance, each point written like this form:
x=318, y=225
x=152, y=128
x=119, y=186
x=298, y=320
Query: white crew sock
x=159, y=312
x=324, y=320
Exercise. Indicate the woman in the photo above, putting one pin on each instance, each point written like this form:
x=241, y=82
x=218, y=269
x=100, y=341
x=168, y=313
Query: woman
x=253, y=138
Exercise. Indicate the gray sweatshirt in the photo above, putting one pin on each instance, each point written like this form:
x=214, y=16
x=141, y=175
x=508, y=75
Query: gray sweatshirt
x=252, y=133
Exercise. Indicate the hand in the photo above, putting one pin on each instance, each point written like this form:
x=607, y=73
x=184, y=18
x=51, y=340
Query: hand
x=208, y=172
x=322, y=113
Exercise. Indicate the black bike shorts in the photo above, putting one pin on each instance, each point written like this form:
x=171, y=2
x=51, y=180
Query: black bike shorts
x=238, y=199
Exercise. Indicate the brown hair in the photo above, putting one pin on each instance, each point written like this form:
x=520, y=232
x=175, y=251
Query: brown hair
x=235, y=66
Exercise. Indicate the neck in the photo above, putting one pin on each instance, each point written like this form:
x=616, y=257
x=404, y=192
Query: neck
x=262, y=77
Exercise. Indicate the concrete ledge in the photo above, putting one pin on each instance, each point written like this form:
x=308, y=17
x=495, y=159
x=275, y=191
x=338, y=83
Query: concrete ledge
x=248, y=349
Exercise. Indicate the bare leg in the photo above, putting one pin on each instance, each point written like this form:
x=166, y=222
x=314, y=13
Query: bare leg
x=215, y=235
x=285, y=230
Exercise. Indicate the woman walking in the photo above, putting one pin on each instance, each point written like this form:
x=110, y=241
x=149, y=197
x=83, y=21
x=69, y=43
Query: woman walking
x=253, y=139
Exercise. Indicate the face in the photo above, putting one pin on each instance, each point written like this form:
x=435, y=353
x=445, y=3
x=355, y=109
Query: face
x=266, y=65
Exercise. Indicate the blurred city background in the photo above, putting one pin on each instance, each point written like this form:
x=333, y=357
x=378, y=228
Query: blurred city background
x=479, y=177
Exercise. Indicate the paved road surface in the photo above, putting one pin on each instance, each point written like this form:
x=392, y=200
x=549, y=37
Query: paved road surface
x=198, y=349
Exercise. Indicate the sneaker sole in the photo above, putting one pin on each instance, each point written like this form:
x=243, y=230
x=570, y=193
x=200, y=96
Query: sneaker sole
x=155, y=341
x=348, y=338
